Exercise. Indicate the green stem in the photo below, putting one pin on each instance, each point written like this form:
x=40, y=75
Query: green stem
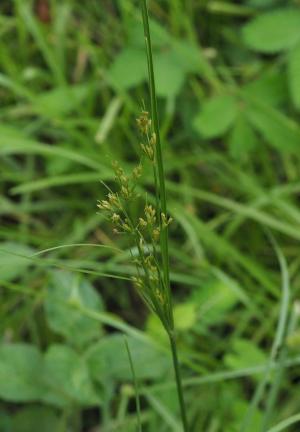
x=173, y=344
x=161, y=193
x=159, y=158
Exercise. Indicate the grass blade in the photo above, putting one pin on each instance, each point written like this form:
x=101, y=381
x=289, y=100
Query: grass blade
x=136, y=387
x=278, y=340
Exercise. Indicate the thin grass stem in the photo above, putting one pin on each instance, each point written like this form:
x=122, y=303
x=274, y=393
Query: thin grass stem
x=173, y=344
x=162, y=210
x=136, y=387
x=159, y=158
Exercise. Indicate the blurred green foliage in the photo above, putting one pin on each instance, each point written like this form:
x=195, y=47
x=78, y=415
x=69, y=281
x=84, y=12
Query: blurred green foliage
x=72, y=81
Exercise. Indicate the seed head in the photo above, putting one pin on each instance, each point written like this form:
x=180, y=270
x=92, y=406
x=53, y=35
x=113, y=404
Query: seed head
x=156, y=234
x=116, y=218
x=138, y=282
x=148, y=150
x=165, y=220
x=143, y=122
x=117, y=169
x=113, y=199
x=152, y=140
x=104, y=205
x=137, y=172
x=126, y=227
x=159, y=296
x=142, y=223
x=150, y=214
x=126, y=192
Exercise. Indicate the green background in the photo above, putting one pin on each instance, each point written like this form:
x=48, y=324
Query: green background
x=73, y=79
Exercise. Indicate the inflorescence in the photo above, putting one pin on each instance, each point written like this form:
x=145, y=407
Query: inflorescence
x=144, y=230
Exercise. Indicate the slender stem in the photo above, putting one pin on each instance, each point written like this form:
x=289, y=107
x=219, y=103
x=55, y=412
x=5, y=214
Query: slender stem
x=173, y=344
x=136, y=387
x=161, y=194
x=160, y=167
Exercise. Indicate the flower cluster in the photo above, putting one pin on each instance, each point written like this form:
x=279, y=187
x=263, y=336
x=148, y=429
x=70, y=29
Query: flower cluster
x=145, y=229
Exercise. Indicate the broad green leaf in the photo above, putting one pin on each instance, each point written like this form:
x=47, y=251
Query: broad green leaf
x=239, y=410
x=213, y=299
x=278, y=130
x=188, y=55
x=108, y=358
x=294, y=74
x=26, y=420
x=185, y=316
x=169, y=74
x=65, y=292
x=156, y=330
x=242, y=139
x=159, y=35
x=271, y=88
x=128, y=69
x=20, y=367
x=67, y=377
x=273, y=31
x=61, y=100
x=173, y=59
x=216, y=116
x=11, y=265
x=245, y=354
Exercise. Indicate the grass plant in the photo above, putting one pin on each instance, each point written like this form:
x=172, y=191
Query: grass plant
x=222, y=160
x=149, y=231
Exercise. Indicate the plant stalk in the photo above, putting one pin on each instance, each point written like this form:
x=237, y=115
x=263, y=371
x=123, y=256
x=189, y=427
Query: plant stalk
x=162, y=200
x=160, y=166
x=173, y=344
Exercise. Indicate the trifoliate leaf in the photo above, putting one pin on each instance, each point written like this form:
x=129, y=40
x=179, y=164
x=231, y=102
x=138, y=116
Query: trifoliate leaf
x=173, y=60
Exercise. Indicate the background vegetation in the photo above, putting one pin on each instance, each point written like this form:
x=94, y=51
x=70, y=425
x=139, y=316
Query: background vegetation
x=72, y=82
